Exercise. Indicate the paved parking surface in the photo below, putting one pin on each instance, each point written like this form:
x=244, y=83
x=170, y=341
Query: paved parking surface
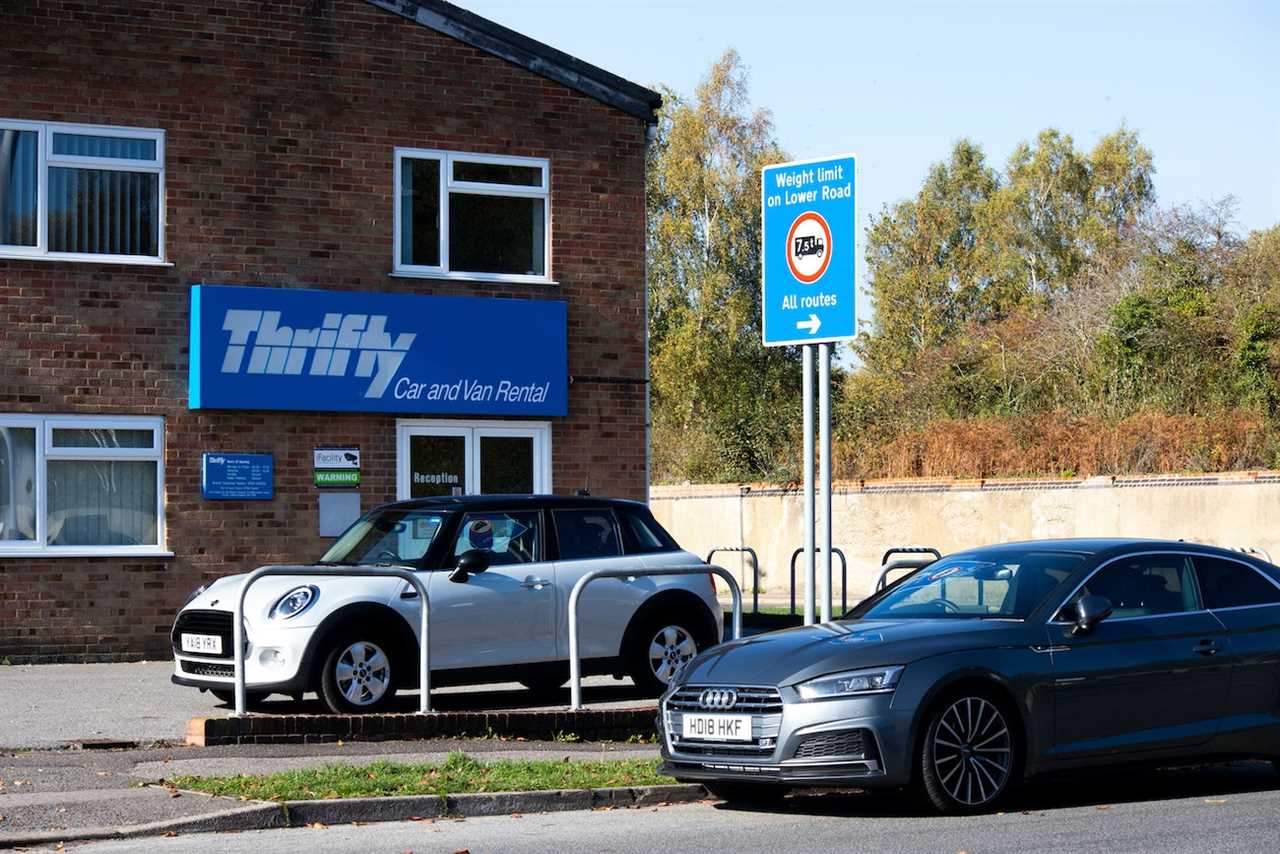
x=50, y=705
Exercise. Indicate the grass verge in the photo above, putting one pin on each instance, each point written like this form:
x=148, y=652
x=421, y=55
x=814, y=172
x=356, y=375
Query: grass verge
x=458, y=774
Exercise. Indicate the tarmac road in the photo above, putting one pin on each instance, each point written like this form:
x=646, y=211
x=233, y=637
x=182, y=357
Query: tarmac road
x=1220, y=809
x=50, y=705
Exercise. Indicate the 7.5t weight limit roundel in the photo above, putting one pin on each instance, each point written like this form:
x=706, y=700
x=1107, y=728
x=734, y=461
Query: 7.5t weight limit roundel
x=809, y=247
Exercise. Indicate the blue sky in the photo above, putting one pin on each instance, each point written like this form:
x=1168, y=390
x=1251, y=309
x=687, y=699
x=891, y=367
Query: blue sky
x=899, y=82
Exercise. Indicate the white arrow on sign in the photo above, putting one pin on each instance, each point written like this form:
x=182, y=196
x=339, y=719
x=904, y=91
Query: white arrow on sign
x=811, y=324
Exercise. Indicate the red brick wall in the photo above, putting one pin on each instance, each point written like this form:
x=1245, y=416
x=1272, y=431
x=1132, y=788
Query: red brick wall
x=280, y=123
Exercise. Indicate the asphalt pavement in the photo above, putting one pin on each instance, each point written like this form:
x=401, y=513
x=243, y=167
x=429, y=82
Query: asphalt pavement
x=1220, y=809
x=52, y=705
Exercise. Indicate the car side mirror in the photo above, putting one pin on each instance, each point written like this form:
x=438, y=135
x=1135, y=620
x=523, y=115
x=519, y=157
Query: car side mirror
x=470, y=562
x=1090, y=610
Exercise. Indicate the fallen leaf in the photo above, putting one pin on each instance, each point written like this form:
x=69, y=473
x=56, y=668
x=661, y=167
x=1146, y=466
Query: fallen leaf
x=516, y=815
x=1215, y=801
x=462, y=851
x=359, y=823
x=318, y=825
x=169, y=834
x=1103, y=807
x=416, y=818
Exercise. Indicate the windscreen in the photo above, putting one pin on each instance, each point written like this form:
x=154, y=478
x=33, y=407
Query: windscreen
x=386, y=536
x=973, y=585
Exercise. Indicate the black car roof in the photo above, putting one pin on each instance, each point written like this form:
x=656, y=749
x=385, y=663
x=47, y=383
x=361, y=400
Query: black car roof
x=506, y=502
x=1105, y=545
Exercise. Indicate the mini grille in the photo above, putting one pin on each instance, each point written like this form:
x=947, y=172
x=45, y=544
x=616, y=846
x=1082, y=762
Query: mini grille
x=208, y=668
x=845, y=742
x=762, y=701
x=206, y=622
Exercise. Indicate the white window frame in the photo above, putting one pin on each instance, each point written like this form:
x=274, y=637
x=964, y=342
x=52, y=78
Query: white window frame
x=45, y=451
x=46, y=158
x=472, y=432
x=446, y=160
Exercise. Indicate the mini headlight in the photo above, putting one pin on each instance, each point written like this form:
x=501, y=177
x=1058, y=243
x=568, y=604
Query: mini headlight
x=202, y=588
x=873, y=680
x=295, y=602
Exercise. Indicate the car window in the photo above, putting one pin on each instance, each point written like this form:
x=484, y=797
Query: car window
x=1145, y=586
x=1229, y=584
x=508, y=537
x=386, y=536
x=976, y=584
x=641, y=534
x=586, y=534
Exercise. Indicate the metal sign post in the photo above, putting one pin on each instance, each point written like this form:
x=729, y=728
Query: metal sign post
x=808, y=298
x=808, y=486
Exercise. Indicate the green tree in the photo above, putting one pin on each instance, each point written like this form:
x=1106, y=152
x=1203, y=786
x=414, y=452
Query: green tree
x=722, y=403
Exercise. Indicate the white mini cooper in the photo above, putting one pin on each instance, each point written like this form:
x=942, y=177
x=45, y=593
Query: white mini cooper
x=498, y=572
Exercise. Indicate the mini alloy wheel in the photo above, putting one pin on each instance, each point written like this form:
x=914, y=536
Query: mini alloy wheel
x=670, y=647
x=363, y=673
x=359, y=675
x=968, y=759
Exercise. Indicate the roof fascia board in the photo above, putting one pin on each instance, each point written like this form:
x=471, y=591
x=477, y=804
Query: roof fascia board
x=493, y=38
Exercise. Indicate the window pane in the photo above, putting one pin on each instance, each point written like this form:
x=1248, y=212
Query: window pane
x=103, y=212
x=1227, y=584
x=508, y=537
x=122, y=147
x=437, y=465
x=420, y=212
x=586, y=533
x=496, y=234
x=102, y=503
x=1145, y=586
x=66, y=437
x=17, y=483
x=18, y=187
x=506, y=464
x=497, y=173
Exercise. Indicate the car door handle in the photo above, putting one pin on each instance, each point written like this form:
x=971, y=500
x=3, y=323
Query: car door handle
x=535, y=583
x=1208, y=647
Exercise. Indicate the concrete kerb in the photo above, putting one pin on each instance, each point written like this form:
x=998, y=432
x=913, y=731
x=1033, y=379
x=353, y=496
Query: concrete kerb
x=263, y=815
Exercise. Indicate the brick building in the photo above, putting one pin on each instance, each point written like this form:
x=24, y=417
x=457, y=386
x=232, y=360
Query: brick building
x=243, y=243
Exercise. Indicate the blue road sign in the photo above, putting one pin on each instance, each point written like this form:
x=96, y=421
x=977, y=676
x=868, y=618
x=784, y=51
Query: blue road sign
x=807, y=251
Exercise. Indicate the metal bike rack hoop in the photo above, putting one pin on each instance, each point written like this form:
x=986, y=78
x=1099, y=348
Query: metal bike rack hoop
x=237, y=626
x=844, y=579
x=575, y=662
x=755, y=571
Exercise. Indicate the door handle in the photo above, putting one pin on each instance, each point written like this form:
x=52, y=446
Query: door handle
x=534, y=583
x=1208, y=647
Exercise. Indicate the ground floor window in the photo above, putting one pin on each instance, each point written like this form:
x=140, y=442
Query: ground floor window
x=470, y=458
x=81, y=485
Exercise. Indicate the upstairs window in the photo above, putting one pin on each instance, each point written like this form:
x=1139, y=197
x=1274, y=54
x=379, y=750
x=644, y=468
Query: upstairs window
x=471, y=216
x=81, y=192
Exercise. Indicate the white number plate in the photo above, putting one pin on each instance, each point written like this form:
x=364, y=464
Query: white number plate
x=716, y=727
x=202, y=643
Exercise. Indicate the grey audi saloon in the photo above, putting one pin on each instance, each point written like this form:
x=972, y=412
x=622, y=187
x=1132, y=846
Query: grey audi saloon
x=990, y=666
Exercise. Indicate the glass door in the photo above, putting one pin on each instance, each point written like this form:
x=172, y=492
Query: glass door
x=468, y=458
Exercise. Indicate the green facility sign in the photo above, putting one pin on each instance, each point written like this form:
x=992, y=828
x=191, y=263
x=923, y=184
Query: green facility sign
x=338, y=478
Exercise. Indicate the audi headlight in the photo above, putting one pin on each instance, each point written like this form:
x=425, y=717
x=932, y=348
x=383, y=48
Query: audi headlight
x=202, y=588
x=295, y=602
x=872, y=680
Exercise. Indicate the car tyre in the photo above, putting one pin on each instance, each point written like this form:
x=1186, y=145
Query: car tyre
x=359, y=673
x=970, y=757
x=746, y=794
x=657, y=649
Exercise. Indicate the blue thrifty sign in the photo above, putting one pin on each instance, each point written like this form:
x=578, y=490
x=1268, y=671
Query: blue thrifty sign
x=347, y=351
x=807, y=251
